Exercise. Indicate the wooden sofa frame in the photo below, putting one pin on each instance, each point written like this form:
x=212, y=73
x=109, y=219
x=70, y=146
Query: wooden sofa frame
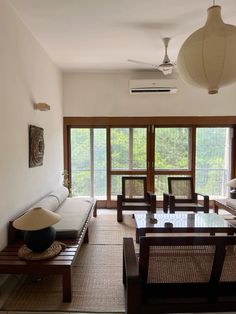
x=61, y=264
x=167, y=297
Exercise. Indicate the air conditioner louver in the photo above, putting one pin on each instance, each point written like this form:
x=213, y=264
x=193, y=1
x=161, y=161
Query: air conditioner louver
x=165, y=86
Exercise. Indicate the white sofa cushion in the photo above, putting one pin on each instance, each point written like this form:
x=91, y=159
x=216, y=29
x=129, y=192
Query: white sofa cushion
x=74, y=212
x=231, y=202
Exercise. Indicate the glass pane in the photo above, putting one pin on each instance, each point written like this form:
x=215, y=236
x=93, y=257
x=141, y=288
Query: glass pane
x=128, y=148
x=100, y=162
x=172, y=148
x=88, y=162
x=80, y=162
x=119, y=148
x=213, y=161
x=115, y=186
x=139, y=148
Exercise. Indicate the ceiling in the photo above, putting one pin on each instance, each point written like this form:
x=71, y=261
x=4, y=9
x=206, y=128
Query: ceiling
x=96, y=35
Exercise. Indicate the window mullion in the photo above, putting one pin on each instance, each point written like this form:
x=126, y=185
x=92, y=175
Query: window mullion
x=92, y=161
x=131, y=133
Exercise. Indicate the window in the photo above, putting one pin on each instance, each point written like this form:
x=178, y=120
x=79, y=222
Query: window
x=128, y=148
x=128, y=155
x=213, y=151
x=172, y=156
x=171, y=148
x=88, y=162
x=101, y=155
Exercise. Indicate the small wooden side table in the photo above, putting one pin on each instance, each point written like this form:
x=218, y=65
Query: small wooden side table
x=222, y=204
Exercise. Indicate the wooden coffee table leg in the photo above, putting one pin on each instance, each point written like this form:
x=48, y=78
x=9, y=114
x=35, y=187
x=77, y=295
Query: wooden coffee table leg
x=67, y=285
x=216, y=208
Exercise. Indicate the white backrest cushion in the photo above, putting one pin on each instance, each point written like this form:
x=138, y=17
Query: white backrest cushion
x=61, y=194
x=50, y=202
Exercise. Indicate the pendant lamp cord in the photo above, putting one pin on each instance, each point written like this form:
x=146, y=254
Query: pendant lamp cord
x=214, y=3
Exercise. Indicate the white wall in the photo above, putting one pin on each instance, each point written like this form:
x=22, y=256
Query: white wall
x=107, y=94
x=27, y=75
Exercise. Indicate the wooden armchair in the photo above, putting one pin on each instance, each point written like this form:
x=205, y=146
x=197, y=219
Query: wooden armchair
x=135, y=196
x=179, y=274
x=182, y=196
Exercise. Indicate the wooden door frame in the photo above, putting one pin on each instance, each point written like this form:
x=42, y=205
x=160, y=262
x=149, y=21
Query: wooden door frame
x=149, y=122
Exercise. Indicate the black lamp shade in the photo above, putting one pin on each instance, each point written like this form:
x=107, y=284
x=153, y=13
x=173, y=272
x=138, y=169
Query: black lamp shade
x=40, y=240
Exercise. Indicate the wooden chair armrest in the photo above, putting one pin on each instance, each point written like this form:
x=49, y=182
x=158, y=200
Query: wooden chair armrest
x=205, y=201
x=119, y=199
x=172, y=203
x=152, y=199
x=130, y=262
x=131, y=277
x=203, y=195
x=151, y=196
x=165, y=202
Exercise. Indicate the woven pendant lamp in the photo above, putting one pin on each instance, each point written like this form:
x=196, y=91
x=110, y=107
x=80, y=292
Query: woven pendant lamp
x=207, y=58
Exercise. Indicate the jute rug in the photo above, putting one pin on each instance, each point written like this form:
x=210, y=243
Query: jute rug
x=97, y=275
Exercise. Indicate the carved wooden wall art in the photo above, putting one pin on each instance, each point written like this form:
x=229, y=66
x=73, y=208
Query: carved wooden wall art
x=36, y=146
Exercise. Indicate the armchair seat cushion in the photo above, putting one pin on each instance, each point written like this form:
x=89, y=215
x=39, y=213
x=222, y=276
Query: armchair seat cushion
x=188, y=205
x=137, y=204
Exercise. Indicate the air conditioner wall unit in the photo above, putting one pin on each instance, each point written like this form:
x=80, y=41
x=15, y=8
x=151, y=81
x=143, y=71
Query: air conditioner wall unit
x=161, y=86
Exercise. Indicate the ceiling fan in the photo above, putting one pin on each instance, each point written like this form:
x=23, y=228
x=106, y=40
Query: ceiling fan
x=166, y=67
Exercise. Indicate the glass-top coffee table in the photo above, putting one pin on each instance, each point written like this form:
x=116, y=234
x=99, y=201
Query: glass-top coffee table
x=181, y=223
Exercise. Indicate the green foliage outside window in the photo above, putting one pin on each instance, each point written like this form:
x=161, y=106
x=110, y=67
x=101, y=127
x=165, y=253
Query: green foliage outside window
x=172, y=148
x=129, y=152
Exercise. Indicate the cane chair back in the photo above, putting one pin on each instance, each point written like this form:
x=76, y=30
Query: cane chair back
x=181, y=187
x=135, y=196
x=134, y=188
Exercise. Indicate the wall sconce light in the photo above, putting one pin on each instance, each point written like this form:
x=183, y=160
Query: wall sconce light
x=42, y=106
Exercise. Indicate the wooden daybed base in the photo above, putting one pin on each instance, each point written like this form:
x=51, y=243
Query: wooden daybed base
x=61, y=264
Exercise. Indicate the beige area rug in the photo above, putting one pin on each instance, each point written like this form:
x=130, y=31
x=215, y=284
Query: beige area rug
x=97, y=275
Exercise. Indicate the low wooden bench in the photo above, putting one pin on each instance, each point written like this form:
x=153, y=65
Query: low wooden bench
x=61, y=264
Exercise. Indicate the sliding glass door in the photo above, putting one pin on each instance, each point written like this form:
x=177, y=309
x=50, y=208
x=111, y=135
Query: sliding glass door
x=172, y=156
x=100, y=156
x=128, y=155
x=88, y=162
x=213, y=161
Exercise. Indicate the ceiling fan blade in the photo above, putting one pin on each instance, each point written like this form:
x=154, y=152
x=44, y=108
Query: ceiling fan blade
x=166, y=67
x=142, y=62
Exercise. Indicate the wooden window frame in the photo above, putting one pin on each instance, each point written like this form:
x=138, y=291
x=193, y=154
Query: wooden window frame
x=150, y=123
